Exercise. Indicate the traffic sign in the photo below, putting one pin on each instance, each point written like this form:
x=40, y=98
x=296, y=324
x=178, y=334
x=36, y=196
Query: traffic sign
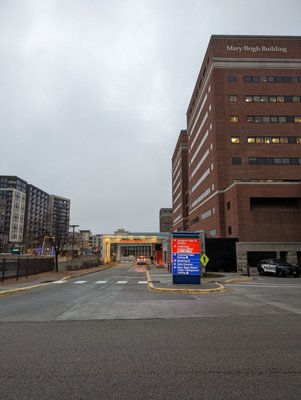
x=185, y=257
x=204, y=259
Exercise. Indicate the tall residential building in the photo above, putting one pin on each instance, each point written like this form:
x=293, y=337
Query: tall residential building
x=36, y=215
x=58, y=215
x=165, y=220
x=26, y=212
x=180, y=183
x=12, y=211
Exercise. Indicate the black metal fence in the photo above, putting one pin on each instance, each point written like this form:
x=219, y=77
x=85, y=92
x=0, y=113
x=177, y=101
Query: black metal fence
x=18, y=266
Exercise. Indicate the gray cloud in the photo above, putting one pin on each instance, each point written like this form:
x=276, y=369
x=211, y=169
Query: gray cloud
x=94, y=94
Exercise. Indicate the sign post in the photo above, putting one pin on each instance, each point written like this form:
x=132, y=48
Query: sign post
x=185, y=258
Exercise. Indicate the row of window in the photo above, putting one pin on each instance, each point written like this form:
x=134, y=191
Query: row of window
x=267, y=119
x=203, y=216
x=269, y=161
x=269, y=139
x=266, y=99
x=272, y=79
x=267, y=79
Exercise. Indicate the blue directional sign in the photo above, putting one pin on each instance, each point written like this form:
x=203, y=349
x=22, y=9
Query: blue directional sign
x=185, y=257
x=187, y=264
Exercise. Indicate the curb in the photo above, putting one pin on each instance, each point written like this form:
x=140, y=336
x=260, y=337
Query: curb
x=23, y=289
x=150, y=286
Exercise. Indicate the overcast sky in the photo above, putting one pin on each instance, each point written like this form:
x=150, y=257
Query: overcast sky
x=94, y=93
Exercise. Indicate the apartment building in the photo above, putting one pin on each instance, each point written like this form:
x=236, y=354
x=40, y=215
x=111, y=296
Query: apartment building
x=26, y=212
x=58, y=215
x=12, y=211
x=244, y=140
x=180, y=183
x=36, y=215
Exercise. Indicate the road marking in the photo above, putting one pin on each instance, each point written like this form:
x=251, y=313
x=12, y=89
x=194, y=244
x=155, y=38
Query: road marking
x=98, y=282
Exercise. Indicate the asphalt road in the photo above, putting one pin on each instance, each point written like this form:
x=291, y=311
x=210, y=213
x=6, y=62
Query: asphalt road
x=108, y=337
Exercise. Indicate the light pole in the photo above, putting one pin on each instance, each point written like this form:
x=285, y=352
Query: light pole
x=73, y=228
x=3, y=230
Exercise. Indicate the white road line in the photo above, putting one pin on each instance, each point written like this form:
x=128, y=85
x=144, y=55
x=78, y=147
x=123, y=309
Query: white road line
x=59, y=282
x=79, y=282
x=122, y=282
x=101, y=282
x=143, y=282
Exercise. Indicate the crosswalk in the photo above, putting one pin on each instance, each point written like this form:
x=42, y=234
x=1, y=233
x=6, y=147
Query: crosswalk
x=80, y=282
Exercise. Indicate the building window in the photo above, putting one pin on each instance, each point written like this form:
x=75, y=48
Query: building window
x=229, y=230
x=228, y=205
x=195, y=221
x=232, y=99
x=236, y=160
x=206, y=214
x=272, y=79
x=272, y=99
x=274, y=161
x=231, y=78
x=235, y=139
x=234, y=118
x=274, y=139
x=273, y=119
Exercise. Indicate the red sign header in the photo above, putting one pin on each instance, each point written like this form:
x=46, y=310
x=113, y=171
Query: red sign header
x=187, y=246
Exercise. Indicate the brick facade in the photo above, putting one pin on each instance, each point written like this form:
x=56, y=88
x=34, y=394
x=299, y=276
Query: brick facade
x=180, y=184
x=244, y=140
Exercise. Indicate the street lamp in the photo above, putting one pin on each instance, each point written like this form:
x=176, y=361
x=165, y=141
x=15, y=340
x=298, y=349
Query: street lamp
x=73, y=228
x=3, y=229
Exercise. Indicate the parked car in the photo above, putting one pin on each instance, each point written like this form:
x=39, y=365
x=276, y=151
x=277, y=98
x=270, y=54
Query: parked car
x=141, y=260
x=277, y=267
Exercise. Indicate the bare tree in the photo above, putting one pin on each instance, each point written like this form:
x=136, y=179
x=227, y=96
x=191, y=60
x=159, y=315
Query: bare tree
x=58, y=234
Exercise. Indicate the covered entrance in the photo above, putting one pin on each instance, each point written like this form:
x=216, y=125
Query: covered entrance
x=135, y=250
x=128, y=247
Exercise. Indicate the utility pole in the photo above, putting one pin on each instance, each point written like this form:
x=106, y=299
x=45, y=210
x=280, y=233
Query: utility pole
x=73, y=228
